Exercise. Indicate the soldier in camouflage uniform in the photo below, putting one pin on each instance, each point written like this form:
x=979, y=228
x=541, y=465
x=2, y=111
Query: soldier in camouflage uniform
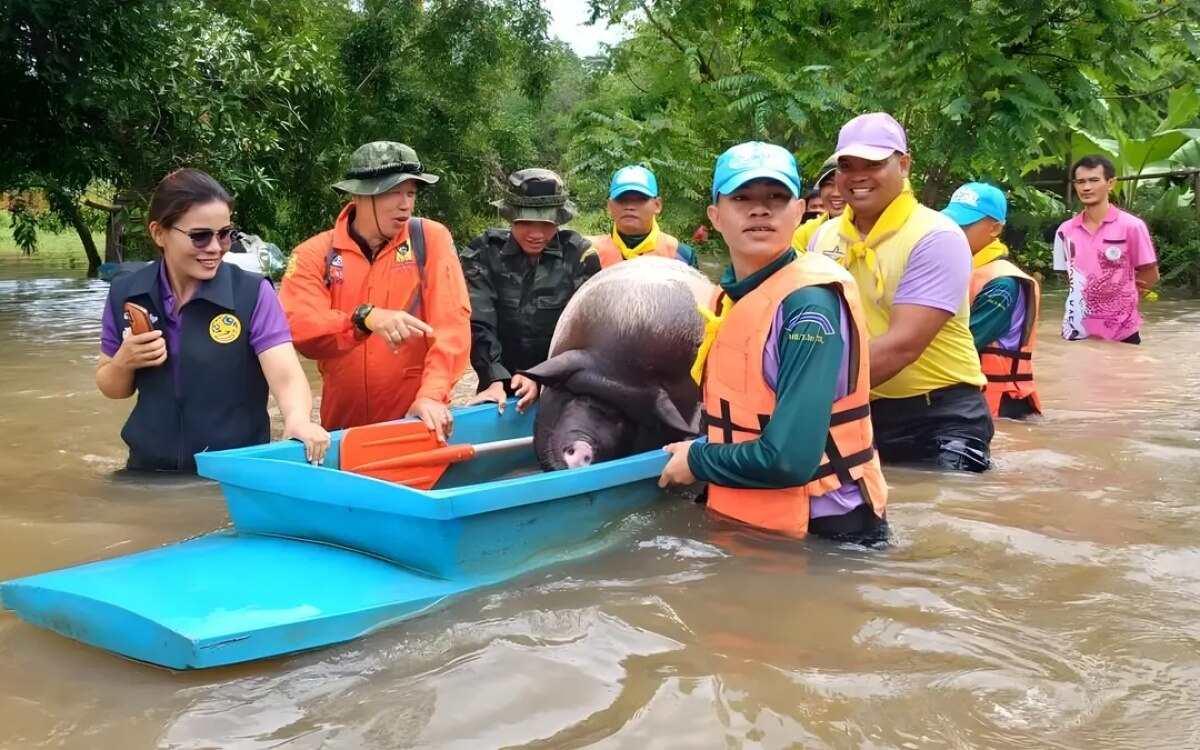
x=519, y=281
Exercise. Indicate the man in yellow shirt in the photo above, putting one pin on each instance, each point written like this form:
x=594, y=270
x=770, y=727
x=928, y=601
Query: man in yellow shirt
x=832, y=204
x=913, y=268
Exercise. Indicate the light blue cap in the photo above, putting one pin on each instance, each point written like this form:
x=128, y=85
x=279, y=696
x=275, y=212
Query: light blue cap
x=755, y=160
x=975, y=201
x=635, y=178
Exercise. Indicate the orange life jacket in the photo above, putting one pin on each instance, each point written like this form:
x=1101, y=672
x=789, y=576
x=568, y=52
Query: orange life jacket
x=738, y=402
x=666, y=246
x=1010, y=371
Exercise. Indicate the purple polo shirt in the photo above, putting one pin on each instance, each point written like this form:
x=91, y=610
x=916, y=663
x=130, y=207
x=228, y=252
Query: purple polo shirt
x=268, y=325
x=938, y=273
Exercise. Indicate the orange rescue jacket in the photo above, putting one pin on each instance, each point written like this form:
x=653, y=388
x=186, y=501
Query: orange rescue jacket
x=738, y=402
x=610, y=255
x=363, y=381
x=1010, y=371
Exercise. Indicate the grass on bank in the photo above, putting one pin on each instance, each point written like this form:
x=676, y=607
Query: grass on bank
x=55, y=250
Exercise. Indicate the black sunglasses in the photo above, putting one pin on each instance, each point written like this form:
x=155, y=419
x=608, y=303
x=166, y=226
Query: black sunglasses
x=202, y=238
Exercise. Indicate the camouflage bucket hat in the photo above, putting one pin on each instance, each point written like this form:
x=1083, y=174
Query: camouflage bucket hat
x=377, y=167
x=536, y=195
x=827, y=170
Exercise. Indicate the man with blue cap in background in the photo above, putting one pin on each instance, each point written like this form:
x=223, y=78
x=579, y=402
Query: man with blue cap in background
x=784, y=369
x=1004, y=303
x=634, y=205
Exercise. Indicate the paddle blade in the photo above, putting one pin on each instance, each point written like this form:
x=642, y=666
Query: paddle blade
x=377, y=442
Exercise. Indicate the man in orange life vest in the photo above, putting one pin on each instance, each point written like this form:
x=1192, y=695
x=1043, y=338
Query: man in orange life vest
x=634, y=205
x=1004, y=303
x=379, y=300
x=784, y=371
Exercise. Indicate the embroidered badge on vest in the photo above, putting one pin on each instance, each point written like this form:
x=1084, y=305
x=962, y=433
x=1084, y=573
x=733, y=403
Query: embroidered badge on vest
x=225, y=329
x=291, y=266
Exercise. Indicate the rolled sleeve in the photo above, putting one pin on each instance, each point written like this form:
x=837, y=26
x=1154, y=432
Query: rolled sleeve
x=938, y=274
x=1141, y=248
x=110, y=332
x=268, y=325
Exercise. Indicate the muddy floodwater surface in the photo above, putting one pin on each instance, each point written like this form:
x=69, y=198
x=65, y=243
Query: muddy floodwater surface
x=1051, y=603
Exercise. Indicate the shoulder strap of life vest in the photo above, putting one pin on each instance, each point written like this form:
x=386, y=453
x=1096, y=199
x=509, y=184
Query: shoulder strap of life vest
x=416, y=235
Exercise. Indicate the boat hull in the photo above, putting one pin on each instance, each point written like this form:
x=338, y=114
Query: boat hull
x=318, y=557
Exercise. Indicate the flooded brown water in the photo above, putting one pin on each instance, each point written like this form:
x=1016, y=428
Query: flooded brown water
x=1052, y=603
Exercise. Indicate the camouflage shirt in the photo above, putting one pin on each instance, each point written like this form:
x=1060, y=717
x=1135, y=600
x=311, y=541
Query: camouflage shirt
x=516, y=299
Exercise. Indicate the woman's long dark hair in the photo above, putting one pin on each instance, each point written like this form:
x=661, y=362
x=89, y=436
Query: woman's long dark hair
x=180, y=191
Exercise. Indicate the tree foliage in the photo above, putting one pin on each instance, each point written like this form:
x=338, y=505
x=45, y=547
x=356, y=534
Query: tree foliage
x=982, y=86
x=270, y=96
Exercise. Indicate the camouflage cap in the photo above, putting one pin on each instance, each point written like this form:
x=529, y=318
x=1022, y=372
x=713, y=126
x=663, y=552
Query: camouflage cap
x=827, y=170
x=536, y=195
x=377, y=167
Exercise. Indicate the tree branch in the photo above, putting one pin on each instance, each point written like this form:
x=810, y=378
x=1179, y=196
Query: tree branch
x=1159, y=14
x=634, y=84
x=704, y=67
x=1139, y=95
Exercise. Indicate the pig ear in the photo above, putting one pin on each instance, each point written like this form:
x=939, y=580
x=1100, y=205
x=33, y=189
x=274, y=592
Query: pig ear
x=559, y=368
x=668, y=414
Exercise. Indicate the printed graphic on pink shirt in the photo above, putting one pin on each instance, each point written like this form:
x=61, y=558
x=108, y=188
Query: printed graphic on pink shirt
x=1103, y=298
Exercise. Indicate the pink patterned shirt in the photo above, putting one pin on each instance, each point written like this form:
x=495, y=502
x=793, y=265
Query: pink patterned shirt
x=1103, y=301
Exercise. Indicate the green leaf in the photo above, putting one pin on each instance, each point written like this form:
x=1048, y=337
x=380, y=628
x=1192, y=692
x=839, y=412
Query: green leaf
x=1182, y=107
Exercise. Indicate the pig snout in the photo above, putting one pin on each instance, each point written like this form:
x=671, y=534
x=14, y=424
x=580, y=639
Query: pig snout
x=577, y=455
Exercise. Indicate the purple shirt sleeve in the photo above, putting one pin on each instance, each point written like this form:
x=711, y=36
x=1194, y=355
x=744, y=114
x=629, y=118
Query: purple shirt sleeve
x=110, y=332
x=938, y=273
x=268, y=325
x=1141, y=249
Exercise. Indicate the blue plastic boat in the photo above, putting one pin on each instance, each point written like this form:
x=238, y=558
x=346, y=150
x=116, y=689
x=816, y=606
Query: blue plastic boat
x=318, y=556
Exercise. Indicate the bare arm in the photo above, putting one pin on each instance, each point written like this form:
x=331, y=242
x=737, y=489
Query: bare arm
x=114, y=375
x=113, y=380
x=286, y=379
x=1147, y=277
x=912, y=329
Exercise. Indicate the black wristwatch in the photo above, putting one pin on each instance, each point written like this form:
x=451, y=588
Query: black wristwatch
x=360, y=316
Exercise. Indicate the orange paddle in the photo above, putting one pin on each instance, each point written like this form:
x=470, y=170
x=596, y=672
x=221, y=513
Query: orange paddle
x=408, y=453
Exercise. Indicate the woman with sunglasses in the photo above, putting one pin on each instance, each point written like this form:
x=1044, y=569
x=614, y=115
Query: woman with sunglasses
x=217, y=342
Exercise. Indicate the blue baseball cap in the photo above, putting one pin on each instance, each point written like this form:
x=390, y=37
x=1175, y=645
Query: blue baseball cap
x=975, y=201
x=755, y=160
x=635, y=178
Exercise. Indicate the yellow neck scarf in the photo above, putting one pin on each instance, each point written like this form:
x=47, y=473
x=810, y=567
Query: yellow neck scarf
x=892, y=220
x=994, y=250
x=712, y=324
x=643, y=247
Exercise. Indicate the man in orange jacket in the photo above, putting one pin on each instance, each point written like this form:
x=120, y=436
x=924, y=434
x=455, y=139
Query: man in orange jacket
x=379, y=300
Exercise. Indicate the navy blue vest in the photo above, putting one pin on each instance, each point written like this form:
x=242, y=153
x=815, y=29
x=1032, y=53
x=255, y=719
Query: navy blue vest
x=222, y=398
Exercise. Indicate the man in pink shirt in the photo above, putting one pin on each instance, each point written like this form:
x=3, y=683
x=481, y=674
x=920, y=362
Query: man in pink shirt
x=1108, y=257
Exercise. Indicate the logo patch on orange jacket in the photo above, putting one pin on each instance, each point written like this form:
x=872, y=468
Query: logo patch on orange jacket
x=404, y=253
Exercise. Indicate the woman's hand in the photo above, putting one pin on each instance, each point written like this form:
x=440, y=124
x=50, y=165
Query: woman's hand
x=140, y=350
x=314, y=437
x=494, y=393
